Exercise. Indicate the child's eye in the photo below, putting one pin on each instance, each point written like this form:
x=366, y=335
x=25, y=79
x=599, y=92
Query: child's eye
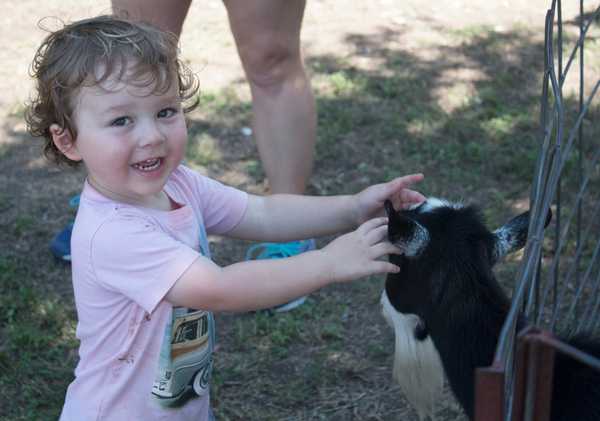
x=167, y=112
x=121, y=121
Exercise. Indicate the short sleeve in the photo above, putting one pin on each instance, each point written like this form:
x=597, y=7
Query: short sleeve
x=134, y=257
x=222, y=206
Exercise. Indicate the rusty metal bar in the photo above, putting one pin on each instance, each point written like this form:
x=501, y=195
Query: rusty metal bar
x=538, y=398
x=570, y=351
x=489, y=393
x=533, y=377
x=519, y=383
x=534, y=371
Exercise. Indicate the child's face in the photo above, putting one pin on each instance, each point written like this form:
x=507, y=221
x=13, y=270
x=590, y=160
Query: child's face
x=130, y=139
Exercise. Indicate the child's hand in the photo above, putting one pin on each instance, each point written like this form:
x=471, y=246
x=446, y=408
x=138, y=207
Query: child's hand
x=369, y=202
x=356, y=254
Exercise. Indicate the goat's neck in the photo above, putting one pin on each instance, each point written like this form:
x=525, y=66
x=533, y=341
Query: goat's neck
x=465, y=335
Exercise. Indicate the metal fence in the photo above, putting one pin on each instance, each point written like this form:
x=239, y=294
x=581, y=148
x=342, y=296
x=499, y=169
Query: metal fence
x=558, y=283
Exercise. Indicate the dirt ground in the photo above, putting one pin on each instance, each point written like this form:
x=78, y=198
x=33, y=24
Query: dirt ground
x=208, y=45
x=351, y=32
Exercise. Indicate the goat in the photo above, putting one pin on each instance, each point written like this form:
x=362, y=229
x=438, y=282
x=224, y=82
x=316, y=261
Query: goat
x=447, y=309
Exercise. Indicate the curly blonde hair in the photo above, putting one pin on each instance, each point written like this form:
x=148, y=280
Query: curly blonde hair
x=89, y=51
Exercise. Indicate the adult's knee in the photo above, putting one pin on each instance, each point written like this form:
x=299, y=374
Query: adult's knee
x=269, y=63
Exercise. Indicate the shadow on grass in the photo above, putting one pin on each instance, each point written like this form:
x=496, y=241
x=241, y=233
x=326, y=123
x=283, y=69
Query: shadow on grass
x=379, y=123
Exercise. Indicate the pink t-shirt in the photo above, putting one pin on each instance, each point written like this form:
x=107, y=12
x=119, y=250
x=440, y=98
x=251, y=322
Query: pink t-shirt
x=140, y=358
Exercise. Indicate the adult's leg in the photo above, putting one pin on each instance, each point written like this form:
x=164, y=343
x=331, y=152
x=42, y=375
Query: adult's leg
x=267, y=35
x=167, y=15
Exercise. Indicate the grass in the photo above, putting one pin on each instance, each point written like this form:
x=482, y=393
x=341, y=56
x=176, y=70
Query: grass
x=36, y=352
x=329, y=359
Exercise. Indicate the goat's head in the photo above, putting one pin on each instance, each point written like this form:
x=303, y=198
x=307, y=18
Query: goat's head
x=439, y=237
x=448, y=259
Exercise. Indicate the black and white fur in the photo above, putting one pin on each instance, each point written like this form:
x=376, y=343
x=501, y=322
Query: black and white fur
x=447, y=309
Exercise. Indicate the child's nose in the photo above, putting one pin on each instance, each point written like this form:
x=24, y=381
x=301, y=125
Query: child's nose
x=151, y=135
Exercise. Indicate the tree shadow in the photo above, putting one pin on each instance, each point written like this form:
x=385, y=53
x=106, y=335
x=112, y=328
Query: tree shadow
x=380, y=122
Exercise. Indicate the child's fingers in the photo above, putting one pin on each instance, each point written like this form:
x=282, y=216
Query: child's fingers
x=377, y=234
x=405, y=181
x=407, y=198
x=384, y=248
x=411, y=196
x=385, y=267
x=371, y=224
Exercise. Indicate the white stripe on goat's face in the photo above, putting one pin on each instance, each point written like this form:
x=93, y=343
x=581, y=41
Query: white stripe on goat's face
x=414, y=244
x=417, y=365
x=409, y=235
x=433, y=202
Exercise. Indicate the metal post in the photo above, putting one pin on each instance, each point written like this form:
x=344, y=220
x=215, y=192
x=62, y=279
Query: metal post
x=534, y=375
x=489, y=393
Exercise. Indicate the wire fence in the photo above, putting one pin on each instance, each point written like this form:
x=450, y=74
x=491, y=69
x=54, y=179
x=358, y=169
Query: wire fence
x=558, y=283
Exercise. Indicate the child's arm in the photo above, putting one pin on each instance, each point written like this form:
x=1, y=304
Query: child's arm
x=257, y=284
x=266, y=283
x=284, y=217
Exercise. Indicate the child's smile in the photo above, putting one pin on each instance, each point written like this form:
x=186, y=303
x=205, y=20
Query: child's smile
x=149, y=165
x=150, y=168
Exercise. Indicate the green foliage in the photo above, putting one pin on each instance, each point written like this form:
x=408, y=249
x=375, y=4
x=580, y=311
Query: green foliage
x=202, y=150
x=23, y=224
x=255, y=169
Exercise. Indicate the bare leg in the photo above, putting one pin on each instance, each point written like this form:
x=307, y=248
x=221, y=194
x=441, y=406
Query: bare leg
x=167, y=15
x=267, y=34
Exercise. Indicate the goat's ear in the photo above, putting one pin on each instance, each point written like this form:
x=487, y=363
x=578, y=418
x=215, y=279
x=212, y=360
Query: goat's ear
x=512, y=236
x=405, y=233
x=389, y=209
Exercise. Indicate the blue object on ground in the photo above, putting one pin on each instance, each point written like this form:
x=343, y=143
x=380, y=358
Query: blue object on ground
x=279, y=251
x=60, y=246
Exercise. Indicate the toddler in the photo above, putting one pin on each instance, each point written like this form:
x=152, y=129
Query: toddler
x=112, y=94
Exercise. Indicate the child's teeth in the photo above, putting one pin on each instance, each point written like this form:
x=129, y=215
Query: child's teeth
x=148, y=165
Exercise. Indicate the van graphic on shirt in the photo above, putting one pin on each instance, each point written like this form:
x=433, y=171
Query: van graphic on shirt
x=185, y=361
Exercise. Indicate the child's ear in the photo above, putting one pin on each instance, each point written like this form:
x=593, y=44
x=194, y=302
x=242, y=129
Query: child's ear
x=64, y=142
